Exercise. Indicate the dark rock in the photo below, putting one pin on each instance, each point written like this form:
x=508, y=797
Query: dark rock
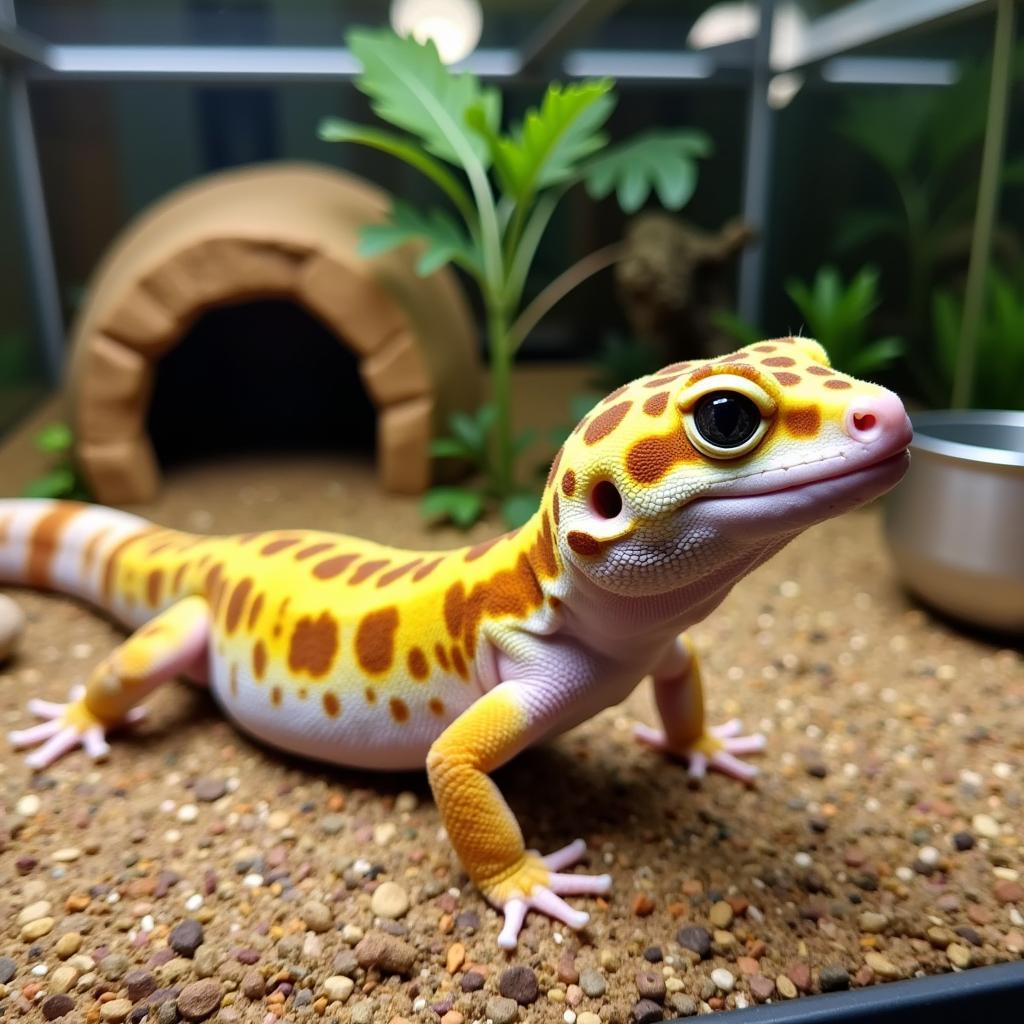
x=186, y=937
x=646, y=1012
x=8, y=969
x=468, y=921
x=963, y=841
x=761, y=988
x=57, y=1005
x=833, y=978
x=208, y=790
x=653, y=954
x=139, y=984
x=651, y=985
x=472, y=982
x=567, y=971
x=519, y=983
x=968, y=933
x=696, y=939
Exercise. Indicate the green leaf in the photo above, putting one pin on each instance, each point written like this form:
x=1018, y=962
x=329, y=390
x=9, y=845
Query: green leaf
x=660, y=161
x=410, y=88
x=445, y=241
x=473, y=430
x=450, y=448
x=334, y=129
x=877, y=355
x=552, y=139
x=523, y=441
x=517, y=509
x=55, y=439
x=58, y=483
x=862, y=227
x=457, y=504
x=1013, y=172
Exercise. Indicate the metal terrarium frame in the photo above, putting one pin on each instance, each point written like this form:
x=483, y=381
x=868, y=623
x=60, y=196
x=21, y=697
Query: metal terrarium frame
x=822, y=52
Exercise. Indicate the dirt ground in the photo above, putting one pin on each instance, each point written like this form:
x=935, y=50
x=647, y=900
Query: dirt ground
x=883, y=839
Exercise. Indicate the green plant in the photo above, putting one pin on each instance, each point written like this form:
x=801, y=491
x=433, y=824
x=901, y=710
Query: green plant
x=62, y=480
x=927, y=143
x=503, y=190
x=999, y=375
x=836, y=314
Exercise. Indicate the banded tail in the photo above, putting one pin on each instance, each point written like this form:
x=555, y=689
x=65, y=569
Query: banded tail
x=70, y=547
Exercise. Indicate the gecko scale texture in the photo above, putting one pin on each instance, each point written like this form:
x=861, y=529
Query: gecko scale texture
x=665, y=495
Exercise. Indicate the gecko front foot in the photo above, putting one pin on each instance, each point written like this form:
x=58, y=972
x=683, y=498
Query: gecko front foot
x=537, y=884
x=719, y=748
x=64, y=727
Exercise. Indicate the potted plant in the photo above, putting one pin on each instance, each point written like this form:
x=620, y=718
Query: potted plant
x=503, y=187
x=955, y=524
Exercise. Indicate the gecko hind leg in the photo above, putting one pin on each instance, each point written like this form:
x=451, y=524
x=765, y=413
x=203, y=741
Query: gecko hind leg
x=173, y=642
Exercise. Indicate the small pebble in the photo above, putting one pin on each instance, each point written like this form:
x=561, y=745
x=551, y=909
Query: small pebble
x=519, y=983
x=721, y=914
x=37, y=929
x=390, y=954
x=317, y=916
x=881, y=965
x=588, y=1017
x=646, y=1012
x=985, y=825
x=592, y=982
x=186, y=937
x=34, y=911
x=502, y=1010
x=651, y=985
x=695, y=939
x=959, y=955
x=209, y=790
x=139, y=985
x=389, y=900
x=338, y=988
x=199, y=999
x=963, y=841
x=761, y=988
x=834, y=978
x=786, y=988
x=723, y=979
x=57, y=1006
x=872, y=922
x=471, y=982
x=116, y=1010
x=12, y=625
x=253, y=985
x=67, y=945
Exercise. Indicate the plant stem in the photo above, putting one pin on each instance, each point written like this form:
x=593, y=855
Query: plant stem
x=569, y=279
x=988, y=198
x=501, y=395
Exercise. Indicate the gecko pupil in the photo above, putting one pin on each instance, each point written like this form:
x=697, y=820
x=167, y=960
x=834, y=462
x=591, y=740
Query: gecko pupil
x=726, y=419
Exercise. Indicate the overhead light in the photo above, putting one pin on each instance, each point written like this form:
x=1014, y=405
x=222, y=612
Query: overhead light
x=737, y=20
x=782, y=89
x=454, y=26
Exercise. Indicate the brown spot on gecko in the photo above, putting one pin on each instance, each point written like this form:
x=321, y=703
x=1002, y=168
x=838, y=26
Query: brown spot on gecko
x=259, y=660
x=254, y=612
x=555, y=509
x=650, y=459
x=673, y=368
x=393, y=574
x=418, y=666
x=583, y=543
x=332, y=567
x=235, y=605
x=568, y=483
x=425, y=570
x=460, y=663
x=366, y=570
x=332, y=706
x=787, y=379
x=89, y=551
x=554, y=467
x=278, y=545
x=179, y=578
x=605, y=423
x=837, y=384
x=481, y=549
x=803, y=422
x=442, y=657
x=375, y=639
x=656, y=404
x=314, y=644
x=109, y=570
x=764, y=348
x=660, y=382
x=44, y=542
x=436, y=706
x=313, y=549
x=399, y=709
x=370, y=694
x=779, y=361
x=455, y=609
x=820, y=371
x=154, y=584
x=275, y=696
x=233, y=680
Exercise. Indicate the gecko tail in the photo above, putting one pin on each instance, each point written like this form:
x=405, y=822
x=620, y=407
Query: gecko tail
x=67, y=546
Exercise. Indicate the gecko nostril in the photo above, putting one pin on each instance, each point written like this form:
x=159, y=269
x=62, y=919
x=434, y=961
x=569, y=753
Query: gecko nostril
x=606, y=499
x=864, y=421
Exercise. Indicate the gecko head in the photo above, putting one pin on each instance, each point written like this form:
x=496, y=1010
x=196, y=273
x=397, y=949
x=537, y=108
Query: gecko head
x=705, y=464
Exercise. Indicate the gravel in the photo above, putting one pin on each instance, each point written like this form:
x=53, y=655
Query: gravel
x=519, y=983
x=186, y=937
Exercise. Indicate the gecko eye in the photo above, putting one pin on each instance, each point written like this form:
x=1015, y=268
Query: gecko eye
x=725, y=425
x=606, y=500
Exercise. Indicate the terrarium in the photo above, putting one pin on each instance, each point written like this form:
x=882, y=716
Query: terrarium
x=489, y=408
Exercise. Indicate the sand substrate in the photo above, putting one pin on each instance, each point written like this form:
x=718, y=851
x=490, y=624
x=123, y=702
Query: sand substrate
x=198, y=874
